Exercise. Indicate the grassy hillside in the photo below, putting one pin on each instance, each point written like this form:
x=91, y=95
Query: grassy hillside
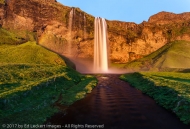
x=28, y=53
x=173, y=55
x=169, y=89
x=34, y=81
x=13, y=38
x=29, y=93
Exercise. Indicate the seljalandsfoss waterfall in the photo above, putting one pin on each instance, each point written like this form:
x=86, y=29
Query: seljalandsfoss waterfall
x=100, y=61
x=100, y=46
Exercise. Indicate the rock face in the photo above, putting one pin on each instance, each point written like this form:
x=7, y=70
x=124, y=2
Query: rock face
x=165, y=18
x=1, y=13
x=56, y=27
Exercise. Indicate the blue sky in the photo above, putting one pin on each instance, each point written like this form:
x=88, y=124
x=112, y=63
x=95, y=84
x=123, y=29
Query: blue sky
x=128, y=10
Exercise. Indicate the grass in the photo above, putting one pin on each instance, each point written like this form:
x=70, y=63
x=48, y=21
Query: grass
x=175, y=30
x=172, y=55
x=7, y=37
x=30, y=53
x=169, y=89
x=15, y=37
x=28, y=92
x=117, y=65
x=34, y=80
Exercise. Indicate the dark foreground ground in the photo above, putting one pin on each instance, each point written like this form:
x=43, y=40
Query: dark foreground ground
x=114, y=104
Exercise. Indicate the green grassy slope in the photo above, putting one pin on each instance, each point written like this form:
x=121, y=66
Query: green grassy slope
x=34, y=80
x=169, y=89
x=28, y=53
x=28, y=93
x=173, y=55
x=11, y=38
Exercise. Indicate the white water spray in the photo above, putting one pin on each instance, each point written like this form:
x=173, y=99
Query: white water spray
x=100, y=45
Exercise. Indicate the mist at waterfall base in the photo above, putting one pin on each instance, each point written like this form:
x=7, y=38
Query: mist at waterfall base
x=85, y=66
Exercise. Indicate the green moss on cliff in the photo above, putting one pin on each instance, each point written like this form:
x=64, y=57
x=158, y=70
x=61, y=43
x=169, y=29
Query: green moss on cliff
x=15, y=37
x=171, y=31
x=63, y=11
x=90, y=25
x=7, y=37
x=2, y=1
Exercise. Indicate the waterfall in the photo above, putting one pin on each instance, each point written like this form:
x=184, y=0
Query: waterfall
x=70, y=31
x=100, y=45
x=84, y=27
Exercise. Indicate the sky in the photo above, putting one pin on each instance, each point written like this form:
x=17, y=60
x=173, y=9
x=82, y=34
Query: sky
x=128, y=10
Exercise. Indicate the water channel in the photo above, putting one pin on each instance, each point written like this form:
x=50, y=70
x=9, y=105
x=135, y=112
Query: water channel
x=114, y=104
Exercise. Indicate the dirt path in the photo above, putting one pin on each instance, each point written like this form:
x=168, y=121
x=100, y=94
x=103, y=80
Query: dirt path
x=117, y=105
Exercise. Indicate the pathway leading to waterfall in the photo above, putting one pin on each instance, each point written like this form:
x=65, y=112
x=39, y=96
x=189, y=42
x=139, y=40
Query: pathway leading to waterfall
x=117, y=105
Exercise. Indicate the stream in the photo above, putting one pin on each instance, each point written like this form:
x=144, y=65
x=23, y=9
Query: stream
x=114, y=104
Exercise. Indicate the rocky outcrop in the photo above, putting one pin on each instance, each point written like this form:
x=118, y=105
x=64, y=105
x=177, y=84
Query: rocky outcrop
x=63, y=29
x=1, y=13
x=31, y=15
x=162, y=18
x=129, y=41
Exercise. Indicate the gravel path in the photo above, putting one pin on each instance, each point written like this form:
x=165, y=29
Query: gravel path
x=114, y=104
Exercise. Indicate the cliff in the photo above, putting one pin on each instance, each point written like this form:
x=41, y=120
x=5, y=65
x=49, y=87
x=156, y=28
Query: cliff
x=56, y=26
x=174, y=56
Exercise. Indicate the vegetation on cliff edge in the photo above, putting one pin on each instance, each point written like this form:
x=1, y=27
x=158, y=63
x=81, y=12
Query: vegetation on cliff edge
x=2, y=1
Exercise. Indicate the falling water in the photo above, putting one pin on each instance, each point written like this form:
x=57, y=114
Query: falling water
x=100, y=45
x=84, y=26
x=70, y=32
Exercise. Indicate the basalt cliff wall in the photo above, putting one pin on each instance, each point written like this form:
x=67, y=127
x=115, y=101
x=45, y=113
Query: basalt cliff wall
x=55, y=26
